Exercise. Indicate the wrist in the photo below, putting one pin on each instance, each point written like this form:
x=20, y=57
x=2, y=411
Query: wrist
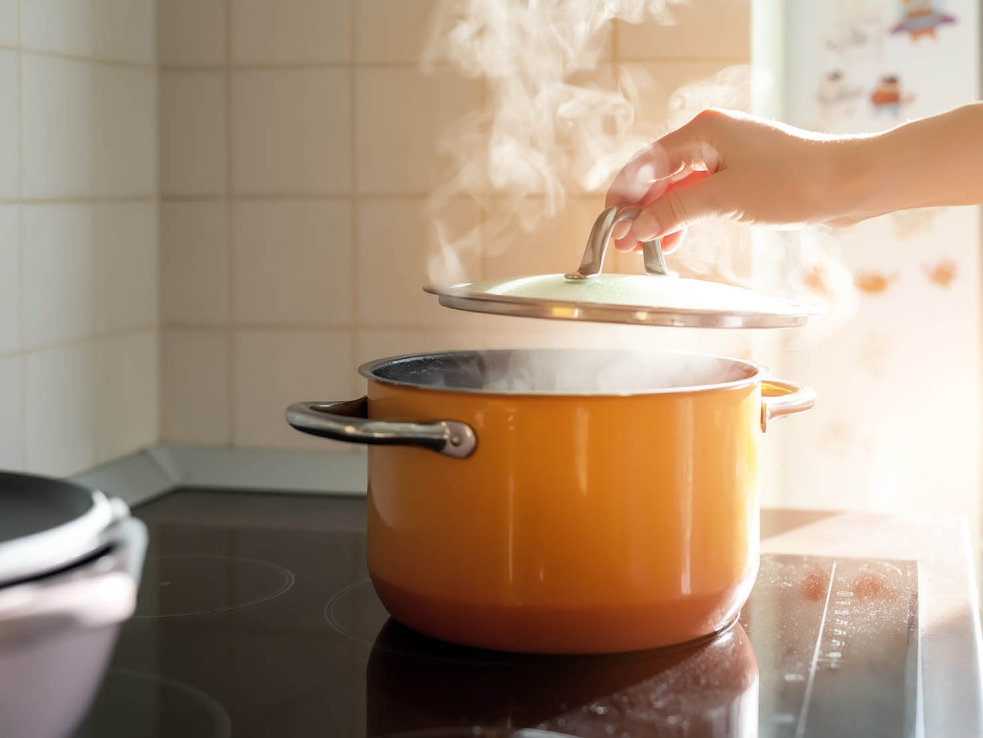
x=853, y=170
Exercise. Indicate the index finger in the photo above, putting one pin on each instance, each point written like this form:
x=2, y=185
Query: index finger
x=634, y=182
x=667, y=158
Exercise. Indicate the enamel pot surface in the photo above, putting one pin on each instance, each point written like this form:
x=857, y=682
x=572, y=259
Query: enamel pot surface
x=561, y=501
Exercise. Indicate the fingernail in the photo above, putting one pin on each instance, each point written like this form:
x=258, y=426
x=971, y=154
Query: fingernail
x=621, y=229
x=645, y=227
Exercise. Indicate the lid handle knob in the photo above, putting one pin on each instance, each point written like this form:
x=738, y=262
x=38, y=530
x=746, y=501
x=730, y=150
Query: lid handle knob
x=600, y=237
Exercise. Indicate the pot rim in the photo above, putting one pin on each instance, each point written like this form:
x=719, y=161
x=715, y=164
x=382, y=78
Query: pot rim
x=758, y=373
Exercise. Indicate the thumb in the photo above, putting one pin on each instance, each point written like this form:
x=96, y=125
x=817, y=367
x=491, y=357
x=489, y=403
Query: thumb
x=682, y=204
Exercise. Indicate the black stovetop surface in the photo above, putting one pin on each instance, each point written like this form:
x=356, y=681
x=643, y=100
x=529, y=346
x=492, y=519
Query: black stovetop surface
x=256, y=618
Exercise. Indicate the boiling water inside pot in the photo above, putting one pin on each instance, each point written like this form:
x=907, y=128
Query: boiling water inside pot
x=562, y=371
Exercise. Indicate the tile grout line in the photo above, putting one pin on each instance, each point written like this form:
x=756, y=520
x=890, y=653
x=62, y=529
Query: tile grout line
x=299, y=327
x=482, y=218
x=21, y=255
x=229, y=236
x=21, y=275
x=149, y=66
x=353, y=185
x=295, y=66
x=320, y=196
x=94, y=337
x=613, y=39
x=80, y=342
x=413, y=66
x=87, y=200
x=20, y=114
x=159, y=323
x=254, y=197
x=279, y=196
x=683, y=59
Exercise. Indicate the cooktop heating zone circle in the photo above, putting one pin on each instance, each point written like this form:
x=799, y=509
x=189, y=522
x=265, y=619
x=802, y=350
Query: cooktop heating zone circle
x=180, y=585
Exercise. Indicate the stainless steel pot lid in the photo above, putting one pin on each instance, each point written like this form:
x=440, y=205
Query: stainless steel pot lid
x=657, y=298
x=49, y=524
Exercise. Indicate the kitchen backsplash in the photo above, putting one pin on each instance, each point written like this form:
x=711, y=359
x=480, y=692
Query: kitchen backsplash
x=297, y=156
x=78, y=232
x=281, y=154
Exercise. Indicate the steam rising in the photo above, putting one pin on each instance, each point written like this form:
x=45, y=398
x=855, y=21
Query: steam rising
x=545, y=126
x=567, y=371
x=554, y=122
x=611, y=372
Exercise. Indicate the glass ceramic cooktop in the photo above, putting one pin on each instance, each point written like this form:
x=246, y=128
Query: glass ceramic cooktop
x=256, y=618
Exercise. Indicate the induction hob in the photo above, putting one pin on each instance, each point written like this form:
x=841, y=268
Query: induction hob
x=256, y=618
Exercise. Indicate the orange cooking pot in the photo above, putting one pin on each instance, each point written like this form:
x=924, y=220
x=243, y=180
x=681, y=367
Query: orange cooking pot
x=572, y=501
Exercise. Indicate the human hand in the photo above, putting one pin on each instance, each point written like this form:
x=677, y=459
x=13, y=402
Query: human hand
x=737, y=166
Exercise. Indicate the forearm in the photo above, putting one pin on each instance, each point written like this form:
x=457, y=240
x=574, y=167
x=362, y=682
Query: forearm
x=936, y=161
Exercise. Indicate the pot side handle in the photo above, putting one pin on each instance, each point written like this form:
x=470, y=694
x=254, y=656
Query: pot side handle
x=348, y=421
x=780, y=398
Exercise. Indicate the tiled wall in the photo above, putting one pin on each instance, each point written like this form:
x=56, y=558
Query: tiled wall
x=78, y=232
x=296, y=149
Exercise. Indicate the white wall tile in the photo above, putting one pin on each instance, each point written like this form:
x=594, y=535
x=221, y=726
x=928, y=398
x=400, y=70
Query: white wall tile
x=11, y=413
x=292, y=262
x=193, y=132
x=9, y=125
x=191, y=31
x=400, y=114
x=395, y=239
x=59, y=264
x=126, y=394
x=291, y=131
x=123, y=30
x=291, y=31
x=10, y=278
x=555, y=245
x=125, y=130
x=126, y=265
x=63, y=26
x=392, y=31
x=57, y=127
x=195, y=387
x=275, y=368
x=59, y=411
x=194, y=263
x=9, y=25
x=372, y=344
x=117, y=30
x=709, y=28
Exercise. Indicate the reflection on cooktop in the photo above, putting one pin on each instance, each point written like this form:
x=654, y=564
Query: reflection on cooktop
x=478, y=731
x=705, y=690
x=823, y=648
